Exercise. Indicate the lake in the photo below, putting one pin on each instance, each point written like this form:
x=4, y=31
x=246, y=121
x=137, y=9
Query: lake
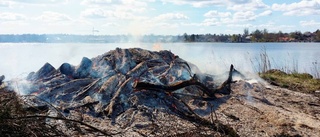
x=18, y=59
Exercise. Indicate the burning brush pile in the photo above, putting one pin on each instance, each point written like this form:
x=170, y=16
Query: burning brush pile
x=124, y=92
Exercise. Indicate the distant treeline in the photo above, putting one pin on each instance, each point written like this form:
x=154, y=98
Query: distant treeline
x=255, y=36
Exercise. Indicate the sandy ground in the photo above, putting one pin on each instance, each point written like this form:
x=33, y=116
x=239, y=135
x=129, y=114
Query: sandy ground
x=254, y=110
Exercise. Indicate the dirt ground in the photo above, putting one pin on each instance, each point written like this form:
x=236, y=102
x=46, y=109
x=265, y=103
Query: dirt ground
x=259, y=110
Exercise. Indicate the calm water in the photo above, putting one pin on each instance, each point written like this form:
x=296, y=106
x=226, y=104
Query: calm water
x=18, y=59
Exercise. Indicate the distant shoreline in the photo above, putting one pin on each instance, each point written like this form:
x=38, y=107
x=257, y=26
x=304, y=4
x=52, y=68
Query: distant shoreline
x=256, y=36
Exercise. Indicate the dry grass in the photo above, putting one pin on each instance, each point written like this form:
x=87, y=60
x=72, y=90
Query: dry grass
x=301, y=82
x=17, y=118
x=288, y=77
x=11, y=109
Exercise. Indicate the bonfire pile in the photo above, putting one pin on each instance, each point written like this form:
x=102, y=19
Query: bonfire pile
x=127, y=92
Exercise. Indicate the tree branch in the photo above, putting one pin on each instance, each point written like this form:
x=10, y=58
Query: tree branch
x=192, y=82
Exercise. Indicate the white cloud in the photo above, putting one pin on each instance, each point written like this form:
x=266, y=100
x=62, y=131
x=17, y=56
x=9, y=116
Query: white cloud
x=240, y=1
x=171, y=16
x=142, y=16
x=230, y=4
x=49, y=16
x=250, y=5
x=167, y=25
x=302, y=12
x=24, y=3
x=241, y=25
x=39, y=1
x=128, y=4
x=302, y=8
x=244, y=16
x=135, y=3
x=8, y=16
x=214, y=13
x=211, y=22
x=110, y=25
x=101, y=3
x=194, y=24
x=228, y=21
x=310, y=23
x=249, y=15
x=265, y=13
x=215, y=18
x=129, y=8
x=5, y=3
x=115, y=9
x=96, y=2
x=95, y=13
x=196, y=3
x=125, y=15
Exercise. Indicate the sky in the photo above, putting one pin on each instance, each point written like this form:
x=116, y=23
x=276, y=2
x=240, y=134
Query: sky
x=159, y=17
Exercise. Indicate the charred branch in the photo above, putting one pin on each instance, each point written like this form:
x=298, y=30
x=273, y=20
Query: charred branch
x=223, y=89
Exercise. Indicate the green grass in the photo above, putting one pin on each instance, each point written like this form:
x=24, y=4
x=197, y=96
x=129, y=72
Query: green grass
x=301, y=82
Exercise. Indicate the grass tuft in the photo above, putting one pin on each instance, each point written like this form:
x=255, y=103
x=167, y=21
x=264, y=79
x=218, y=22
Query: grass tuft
x=301, y=82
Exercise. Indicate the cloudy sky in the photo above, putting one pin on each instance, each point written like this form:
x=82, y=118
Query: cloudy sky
x=165, y=17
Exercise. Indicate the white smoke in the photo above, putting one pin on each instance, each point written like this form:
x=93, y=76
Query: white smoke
x=21, y=86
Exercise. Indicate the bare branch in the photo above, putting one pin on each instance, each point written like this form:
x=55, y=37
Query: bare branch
x=65, y=119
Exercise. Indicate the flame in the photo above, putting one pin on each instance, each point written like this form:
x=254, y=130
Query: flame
x=157, y=47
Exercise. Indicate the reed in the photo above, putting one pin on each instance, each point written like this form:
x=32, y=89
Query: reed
x=315, y=69
x=262, y=64
x=288, y=75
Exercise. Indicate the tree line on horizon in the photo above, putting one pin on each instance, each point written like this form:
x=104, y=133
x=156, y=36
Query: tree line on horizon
x=254, y=36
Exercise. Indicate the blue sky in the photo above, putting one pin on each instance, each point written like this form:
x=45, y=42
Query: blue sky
x=164, y=17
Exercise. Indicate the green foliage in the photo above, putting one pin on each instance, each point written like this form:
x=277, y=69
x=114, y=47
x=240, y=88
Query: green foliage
x=317, y=38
